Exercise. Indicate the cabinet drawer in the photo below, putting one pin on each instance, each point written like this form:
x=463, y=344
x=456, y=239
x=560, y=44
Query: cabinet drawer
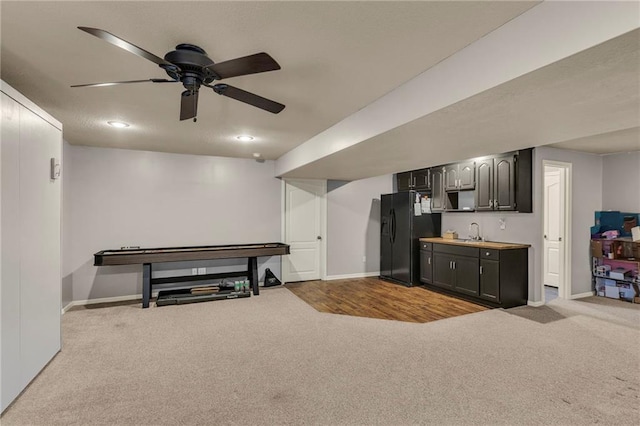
x=426, y=246
x=456, y=250
x=492, y=254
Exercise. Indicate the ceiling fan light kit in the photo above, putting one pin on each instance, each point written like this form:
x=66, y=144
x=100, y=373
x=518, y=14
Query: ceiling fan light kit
x=189, y=64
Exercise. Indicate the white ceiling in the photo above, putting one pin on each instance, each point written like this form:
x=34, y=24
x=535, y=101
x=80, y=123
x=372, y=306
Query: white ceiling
x=336, y=58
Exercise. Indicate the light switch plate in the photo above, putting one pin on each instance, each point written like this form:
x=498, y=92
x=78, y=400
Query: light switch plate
x=503, y=223
x=55, y=168
x=202, y=271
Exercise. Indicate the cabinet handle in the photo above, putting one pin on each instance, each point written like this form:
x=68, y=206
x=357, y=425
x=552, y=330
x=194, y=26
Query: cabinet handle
x=490, y=204
x=409, y=181
x=450, y=264
x=429, y=260
x=495, y=204
x=454, y=264
x=414, y=182
x=481, y=270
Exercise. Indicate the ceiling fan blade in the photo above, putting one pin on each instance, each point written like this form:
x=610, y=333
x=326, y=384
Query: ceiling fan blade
x=117, y=41
x=113, y=83
x=252, y=64
x=248, y=98
x=188, y=105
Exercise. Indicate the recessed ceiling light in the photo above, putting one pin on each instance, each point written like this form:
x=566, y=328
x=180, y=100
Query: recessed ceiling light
x=118, y=124
x=244, y=138
x=256, y=154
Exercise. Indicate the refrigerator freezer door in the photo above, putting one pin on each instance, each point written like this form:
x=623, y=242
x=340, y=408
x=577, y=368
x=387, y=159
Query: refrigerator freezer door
x=386, y=207
x=401, y=251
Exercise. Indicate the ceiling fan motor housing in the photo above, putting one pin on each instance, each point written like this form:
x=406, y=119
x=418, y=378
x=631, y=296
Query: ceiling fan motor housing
x=193, y=62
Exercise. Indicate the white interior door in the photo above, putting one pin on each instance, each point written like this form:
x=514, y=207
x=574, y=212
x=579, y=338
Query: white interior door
x=553, y=226
x=303, y=230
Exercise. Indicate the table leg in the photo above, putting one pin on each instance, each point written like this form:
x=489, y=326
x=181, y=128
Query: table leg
x=253, y=275
x=146, y=284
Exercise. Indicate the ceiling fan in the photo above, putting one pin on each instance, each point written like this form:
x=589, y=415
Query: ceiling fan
x=189, y=64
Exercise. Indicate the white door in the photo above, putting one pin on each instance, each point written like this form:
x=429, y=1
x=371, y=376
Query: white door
x=303, y=230
x=553, y=226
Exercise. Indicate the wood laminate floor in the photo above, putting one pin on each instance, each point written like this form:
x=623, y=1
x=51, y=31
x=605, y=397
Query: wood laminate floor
x=375, y=298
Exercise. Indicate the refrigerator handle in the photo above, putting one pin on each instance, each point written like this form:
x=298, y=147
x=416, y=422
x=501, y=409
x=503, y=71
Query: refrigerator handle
x=393, y=225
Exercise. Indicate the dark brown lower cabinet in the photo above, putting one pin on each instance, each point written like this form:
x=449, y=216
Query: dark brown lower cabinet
x=466, y=278
x=490, y=280
x=426, y=266
x=498, y=278
x=459, y=273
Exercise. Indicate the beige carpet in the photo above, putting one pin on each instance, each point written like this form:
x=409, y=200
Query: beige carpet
x=273, y=359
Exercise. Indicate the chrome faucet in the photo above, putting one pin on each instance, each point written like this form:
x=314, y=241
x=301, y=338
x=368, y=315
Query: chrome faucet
x=475, y=237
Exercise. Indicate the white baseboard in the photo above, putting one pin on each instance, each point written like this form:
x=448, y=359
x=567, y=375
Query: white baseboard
x=113, y=299
x=535, y=304
x=104, y=300
x=348, y=276
x=581, y=295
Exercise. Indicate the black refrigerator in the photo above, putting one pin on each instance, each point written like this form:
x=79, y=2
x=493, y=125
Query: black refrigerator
x=400, y=230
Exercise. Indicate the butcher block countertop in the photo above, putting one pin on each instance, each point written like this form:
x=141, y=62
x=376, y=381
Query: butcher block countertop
x=480, y=244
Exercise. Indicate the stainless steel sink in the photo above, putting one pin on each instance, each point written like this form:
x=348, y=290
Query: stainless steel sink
x=470, y=241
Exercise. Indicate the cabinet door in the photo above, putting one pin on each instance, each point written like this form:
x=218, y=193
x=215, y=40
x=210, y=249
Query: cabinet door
x=467, y=277
x=484, y=184
x=422, y=179
x=467, y=175
x=404, y=181
x=40, y=272
x=437, y=189
x=426, y=266
x=451, y=177
x=11, y=384
x=442, y=270
x=490, y=280
x=504, y=178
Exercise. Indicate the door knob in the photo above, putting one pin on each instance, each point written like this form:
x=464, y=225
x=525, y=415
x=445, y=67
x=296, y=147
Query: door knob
x=318, y=237
x=545, y=236
x=559, y=238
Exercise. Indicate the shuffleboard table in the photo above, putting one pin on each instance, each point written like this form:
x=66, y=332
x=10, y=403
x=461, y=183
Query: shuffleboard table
x=149, y=256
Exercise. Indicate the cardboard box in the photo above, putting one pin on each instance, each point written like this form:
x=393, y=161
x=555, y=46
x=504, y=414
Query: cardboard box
x=611, y=291
x=450, y=235
x=620, y=273
x=596, y=248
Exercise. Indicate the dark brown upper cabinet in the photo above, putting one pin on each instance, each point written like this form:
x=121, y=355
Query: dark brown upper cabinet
x=499, y=182
x=437, y=189
x=417, y=180
x=460, y=176
x=495, y=183
x=503, y=182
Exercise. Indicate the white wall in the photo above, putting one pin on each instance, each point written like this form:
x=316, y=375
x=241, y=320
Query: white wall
x=621, y=182
x=118, y=198
x=67, y=282
x=527, y=227
x=353, y=225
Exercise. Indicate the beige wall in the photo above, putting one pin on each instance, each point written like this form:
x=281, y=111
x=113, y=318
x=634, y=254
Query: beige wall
x=621, y=182
x=353, y=225
x=116, y=198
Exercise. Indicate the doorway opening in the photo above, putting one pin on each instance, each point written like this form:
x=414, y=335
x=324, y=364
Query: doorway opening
x=556, y=274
